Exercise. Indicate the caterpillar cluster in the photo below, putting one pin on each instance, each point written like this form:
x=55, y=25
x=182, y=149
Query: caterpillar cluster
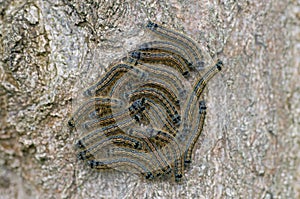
x=142, y=116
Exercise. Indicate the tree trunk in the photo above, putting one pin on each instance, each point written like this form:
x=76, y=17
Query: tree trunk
x=52, y=49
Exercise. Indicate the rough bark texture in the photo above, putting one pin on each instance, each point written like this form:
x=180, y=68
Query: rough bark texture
x=251, y=140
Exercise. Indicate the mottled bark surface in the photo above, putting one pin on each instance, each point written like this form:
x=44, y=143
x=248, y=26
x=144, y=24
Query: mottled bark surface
x=250, y=144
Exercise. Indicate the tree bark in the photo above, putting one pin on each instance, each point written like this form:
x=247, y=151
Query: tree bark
x=51, y=49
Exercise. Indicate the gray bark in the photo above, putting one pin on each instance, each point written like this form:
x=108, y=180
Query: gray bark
x=250, y=144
